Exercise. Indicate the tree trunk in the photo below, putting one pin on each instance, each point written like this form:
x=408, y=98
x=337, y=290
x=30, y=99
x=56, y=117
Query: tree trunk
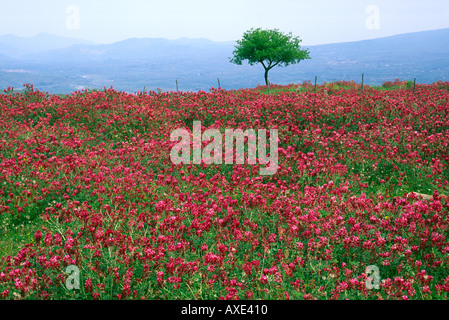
x=266, y=76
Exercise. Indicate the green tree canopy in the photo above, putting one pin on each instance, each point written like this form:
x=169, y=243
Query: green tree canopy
x=270, y=48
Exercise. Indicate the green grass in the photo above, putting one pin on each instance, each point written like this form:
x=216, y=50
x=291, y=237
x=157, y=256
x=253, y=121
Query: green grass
x=14, y=235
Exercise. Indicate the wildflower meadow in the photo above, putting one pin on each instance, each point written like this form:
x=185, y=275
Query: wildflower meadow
x=93, y=207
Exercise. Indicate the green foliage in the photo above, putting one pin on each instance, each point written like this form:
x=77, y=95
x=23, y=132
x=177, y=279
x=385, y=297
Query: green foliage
x=269, y=48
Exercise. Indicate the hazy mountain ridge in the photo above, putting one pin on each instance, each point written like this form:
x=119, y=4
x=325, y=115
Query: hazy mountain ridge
x=62, y=65
x=21, y=47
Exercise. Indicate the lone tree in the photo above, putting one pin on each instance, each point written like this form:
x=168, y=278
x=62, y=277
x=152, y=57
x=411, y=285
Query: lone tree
x=270, y=48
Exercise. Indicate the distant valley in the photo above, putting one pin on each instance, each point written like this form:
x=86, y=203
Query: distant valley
x=63, y=65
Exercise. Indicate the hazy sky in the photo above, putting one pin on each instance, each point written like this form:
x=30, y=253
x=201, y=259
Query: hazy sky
x=314, y=21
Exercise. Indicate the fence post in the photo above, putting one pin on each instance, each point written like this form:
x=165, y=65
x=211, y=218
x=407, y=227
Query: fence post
x=218, y=83
x=362, y=82
x=414, y=84
x=176, y=85
x=315, y=82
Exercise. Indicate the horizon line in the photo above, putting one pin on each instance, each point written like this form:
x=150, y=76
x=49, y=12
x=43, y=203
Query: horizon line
x=207, y=39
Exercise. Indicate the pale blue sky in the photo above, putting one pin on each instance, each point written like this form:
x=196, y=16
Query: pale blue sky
x=314, y=21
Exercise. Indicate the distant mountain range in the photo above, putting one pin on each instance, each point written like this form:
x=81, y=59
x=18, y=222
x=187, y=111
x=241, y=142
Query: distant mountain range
x=62, y=65
x=19, y=47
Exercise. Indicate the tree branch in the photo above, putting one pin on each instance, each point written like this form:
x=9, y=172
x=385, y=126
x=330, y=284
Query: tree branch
x=274, y=65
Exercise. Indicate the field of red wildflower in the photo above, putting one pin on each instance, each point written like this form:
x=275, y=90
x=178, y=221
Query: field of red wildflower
x=86, y=181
